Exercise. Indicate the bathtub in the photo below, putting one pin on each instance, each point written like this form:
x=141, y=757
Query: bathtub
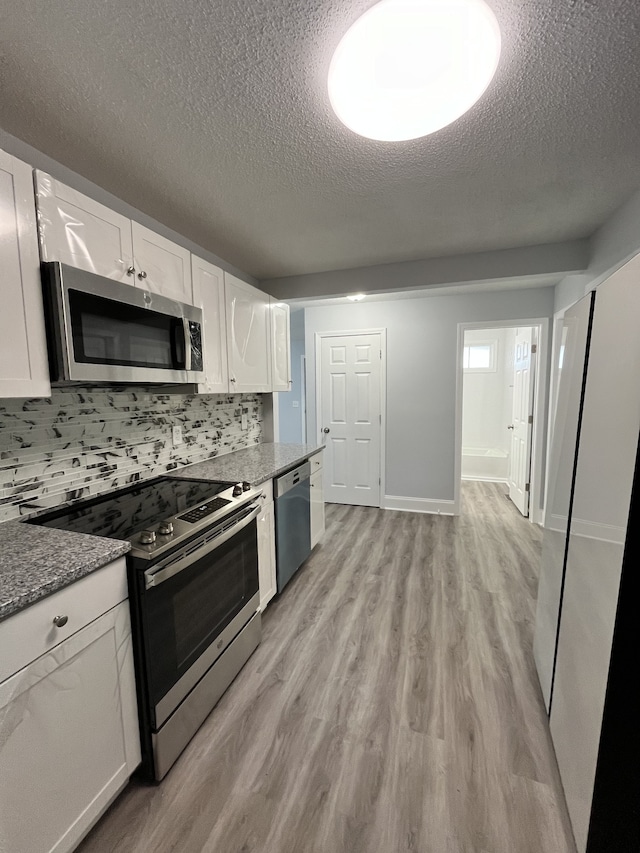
x=485, y=463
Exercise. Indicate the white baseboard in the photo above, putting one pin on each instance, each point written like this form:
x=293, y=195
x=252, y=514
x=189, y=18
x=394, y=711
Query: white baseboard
x=419, y=505
x=484, y=479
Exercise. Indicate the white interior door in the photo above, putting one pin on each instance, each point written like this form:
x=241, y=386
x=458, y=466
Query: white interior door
x=350, y=417
x=522, y=418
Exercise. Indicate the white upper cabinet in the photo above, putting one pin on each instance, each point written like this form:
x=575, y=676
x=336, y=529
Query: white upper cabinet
x=24, y=368
x=161, y=266
x=248, y=336
x=280, y=346
x=83, y=233
x=208, y=294
x=78, y=231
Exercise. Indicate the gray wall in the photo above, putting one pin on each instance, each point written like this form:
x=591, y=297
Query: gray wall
x=612, y=244
x=421, y=375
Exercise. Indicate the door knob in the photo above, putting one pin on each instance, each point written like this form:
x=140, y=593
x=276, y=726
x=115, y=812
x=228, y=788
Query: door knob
x=511, y=426
x=326, y=429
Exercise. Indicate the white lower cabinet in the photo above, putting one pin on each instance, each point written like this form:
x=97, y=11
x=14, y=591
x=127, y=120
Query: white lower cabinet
x=68, y=727
x=317, y=499
x=267, y=548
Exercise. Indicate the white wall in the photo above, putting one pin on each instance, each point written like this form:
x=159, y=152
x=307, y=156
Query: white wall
x=421, y=375
x=487, y=397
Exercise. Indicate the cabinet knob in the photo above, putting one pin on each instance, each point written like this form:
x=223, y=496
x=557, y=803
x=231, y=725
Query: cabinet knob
x=511, y=426
x=232, y=379
x=142, y=275
x=326, y=430
x=60, y=621
x=131, y=270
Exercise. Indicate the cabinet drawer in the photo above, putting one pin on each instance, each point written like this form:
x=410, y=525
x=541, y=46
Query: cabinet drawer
x=267, y=491
x=316, y=461
x=30, y=633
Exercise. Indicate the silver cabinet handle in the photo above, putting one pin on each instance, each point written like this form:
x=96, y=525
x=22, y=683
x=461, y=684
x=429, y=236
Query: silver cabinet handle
x=131, y=270
x=60, y=621
x=232, y=379
x=142, y=275
x=511, y=426
x=326, y=429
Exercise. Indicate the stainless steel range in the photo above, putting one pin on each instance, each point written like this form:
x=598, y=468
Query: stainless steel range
x=194, y=596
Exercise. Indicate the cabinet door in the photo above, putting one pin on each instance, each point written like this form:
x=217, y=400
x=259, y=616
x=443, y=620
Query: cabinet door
x=78, y=231
x=69, y=738
x=248, y=336
x=280, y=346
x=161, y=266
x=266, y=555
x=24, y=369
x=208, y=294
x=317, y=507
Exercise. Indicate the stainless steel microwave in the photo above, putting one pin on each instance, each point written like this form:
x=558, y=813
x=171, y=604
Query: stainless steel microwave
x=99, y=330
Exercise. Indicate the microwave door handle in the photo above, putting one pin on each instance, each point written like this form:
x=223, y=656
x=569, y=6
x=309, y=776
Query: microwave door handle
x=187, y=343
x=178, y=343
x=154, y=577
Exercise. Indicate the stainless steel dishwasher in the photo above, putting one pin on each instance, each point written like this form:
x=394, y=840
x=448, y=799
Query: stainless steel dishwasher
x=293, y=522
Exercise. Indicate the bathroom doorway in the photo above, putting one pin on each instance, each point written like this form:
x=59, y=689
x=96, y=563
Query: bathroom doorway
x=499, y=380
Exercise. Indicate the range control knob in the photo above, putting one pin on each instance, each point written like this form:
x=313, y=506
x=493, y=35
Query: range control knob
x=165, y=528
x=148, y=537
x=237, y=490
x=246, y=486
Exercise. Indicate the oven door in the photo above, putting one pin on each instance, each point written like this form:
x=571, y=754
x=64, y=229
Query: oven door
x=192, y=606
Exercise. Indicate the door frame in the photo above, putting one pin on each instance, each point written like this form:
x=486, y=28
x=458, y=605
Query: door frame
x=540, y=401
x=318, y=337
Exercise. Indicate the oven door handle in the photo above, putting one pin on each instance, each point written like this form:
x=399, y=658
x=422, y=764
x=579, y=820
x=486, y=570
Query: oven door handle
x=154, y=577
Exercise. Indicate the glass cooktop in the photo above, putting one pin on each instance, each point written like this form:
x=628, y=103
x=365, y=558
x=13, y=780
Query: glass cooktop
x=121, y=514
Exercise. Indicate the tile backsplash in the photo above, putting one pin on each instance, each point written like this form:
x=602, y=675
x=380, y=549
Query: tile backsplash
x=84, y=441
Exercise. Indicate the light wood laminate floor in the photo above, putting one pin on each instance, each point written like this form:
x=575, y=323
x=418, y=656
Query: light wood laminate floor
x=392, y=706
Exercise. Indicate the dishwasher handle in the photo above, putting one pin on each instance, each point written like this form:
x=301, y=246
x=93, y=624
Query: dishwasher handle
x=288, y=481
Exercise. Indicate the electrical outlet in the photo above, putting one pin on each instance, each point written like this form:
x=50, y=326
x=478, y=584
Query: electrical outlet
x=177, y=434
x=245, y=419
x=295, y=404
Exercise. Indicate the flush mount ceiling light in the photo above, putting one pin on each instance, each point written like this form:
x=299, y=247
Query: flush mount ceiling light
x=356, y=297
x=407, y=68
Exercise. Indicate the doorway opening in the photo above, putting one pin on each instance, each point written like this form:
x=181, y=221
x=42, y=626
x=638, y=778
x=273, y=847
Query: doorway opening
x=499, y=420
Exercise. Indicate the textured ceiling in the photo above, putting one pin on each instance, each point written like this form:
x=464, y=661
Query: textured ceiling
x=213, y=118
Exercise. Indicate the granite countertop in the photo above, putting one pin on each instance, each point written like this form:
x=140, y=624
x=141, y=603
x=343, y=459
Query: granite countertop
x=36, y=561
x=253, y=464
